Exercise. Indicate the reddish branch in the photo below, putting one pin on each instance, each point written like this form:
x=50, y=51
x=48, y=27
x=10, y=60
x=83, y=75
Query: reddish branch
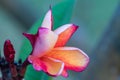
x=18, y=70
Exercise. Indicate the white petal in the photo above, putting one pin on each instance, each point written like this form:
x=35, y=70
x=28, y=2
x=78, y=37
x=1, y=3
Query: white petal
x=62, y=28
x=47, y=21
x=45, y=41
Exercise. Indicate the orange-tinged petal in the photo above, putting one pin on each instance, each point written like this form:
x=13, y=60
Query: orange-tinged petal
x=45, y=41
x=74, y=58
x=64, y=33
x=53, y=67
x=48, y=20
x=49, y=65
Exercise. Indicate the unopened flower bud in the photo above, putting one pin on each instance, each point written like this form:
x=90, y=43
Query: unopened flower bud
x=9, y=51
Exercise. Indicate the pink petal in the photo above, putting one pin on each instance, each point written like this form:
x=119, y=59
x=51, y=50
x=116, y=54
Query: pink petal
x=74, y=58
x=48, y=20
x=64, y=33
x=53, y=67
x=31, y=37
x=45, y=41
x=36, y=62
x=64, y=73
x=49, y=65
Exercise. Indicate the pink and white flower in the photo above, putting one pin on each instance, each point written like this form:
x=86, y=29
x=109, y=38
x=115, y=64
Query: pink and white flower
x=49, y=51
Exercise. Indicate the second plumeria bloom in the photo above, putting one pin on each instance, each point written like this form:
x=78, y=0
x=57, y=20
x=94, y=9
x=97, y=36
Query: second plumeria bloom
x=49, y=52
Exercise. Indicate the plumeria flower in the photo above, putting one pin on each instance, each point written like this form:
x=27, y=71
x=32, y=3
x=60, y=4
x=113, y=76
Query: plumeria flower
x=49, y=52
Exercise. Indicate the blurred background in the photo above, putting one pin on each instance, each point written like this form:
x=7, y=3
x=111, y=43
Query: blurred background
x=98, y=34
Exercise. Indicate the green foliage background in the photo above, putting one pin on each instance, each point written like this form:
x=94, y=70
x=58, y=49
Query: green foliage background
x=93, y=16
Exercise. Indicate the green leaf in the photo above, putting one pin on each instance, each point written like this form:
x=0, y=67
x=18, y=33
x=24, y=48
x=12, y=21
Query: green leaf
x=62, y=13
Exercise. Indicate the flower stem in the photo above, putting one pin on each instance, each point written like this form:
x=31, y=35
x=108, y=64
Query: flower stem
x=23, y=69
x=13, y=71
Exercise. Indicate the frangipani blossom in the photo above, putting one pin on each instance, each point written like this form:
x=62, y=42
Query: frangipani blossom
x=49, y=53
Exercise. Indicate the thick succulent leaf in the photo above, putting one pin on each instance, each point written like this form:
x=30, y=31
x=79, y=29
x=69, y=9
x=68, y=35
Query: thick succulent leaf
x=61, y=14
